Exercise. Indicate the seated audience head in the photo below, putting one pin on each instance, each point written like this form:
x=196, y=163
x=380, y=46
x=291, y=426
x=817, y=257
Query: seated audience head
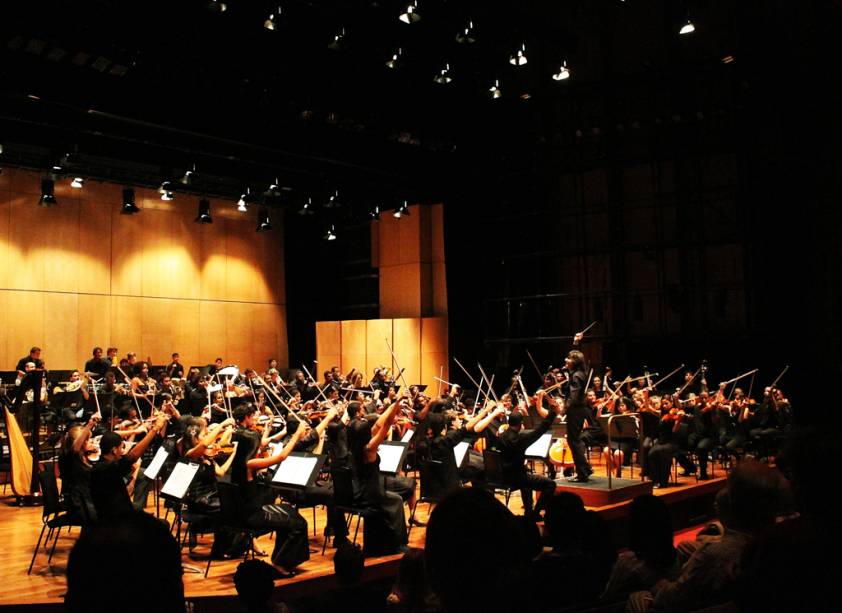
x=650, y=531
x=96, y=569
x=349, y=563
x=751, y=500
x=255, y=582
x=564, y=516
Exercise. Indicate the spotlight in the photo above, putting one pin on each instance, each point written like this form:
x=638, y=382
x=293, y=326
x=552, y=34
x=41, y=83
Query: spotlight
x=48, y=197
x=374, y=213
x=77, y=182
x=330, y=235
x=466, y=36
x=338, y=43
x=410, y=15
x=189, y=176
x=204, y=212
x=263, y=222
x=129, y=206
x=518, y=58
x=687, y=28
x=166, y=186
x=242, y=203
x=394, y=62
x=271, y=23
x=217, y=6
x=274, y=189
x=402, y=210
x=444, y=76
x=563, y=73
x=60, y=164
x=495, y=89
x=307, y=207
x=1, y=148
x=333, y=201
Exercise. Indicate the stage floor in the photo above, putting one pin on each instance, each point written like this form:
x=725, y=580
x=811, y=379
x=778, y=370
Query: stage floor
x=19, y=528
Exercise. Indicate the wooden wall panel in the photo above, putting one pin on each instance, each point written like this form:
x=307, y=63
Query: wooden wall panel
x=407, y=333
x=81, y=274
x=354, y=347
x=377, y=331
x=400, y=290
x=434, y=350
x=328, y=347
x=409, y=233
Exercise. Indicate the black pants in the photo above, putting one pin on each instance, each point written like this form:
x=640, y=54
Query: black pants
x=323, y=494
x=575, y=420
x=400, y=485
x=526, y=483
x=660, y=462
x=291, y=547
x=702, y=445
x=645, y=448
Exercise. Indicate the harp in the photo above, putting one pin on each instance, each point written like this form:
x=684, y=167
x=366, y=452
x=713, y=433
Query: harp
x=20, y=458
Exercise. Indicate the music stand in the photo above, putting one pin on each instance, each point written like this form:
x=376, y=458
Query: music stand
x=407, y=436
x=151, y=472
x=540, y=449
x=298, y=471
x=392, y=455
x=460, y=452
x=175, y=488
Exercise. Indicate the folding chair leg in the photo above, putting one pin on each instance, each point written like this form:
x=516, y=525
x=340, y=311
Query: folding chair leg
x=35, y=552
x=207, y=568
x=412, y=517
x=314, y=522
x=53, y=550
x=359, y=517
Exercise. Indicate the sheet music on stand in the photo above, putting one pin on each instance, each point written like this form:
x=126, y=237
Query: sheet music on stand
x=299, y=470
x=540, y=449
x=460, y=452
x=392, y=454
x=181, y=477
x=157, y=462
x=407, y=436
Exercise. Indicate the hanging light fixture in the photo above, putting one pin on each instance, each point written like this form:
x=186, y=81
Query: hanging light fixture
x=338, y=43
x=242, y=203
x=271, y=22
x=563, y=73
x=217, y=6
x=466, y=35
x=189, y=176
x=444, y=76
x=263, y=222
x=402, y=210
x=167, y=195
x=411, y=15
x=374, y=213
x=519, y=57
x=333, y=201
x=204, y=215
x=330, y=235
x=129, y=207
x=495, y=89
x=307, y=207
x=394, y=61
x=688, y=27
x=77, y=182
x=48, y=197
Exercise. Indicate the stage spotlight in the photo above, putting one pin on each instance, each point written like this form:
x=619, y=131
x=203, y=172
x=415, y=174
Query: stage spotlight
x=189, y=176
x=330, y=235
x=518, y=58
x=263, y=222
x=687, y=28
x=48, y=197
x=204, y=215
x=495, y=89
x=466, y=35
x=374, y=213
x=402, y=210
x=307, y=207
x=274, y=190
x=167, y=195
x=129, y=206
x=410, y=15
x=217, y=6
x=61, y=163
x=242, y=203
x=338, y=43
x=394, y=61
x=563, y=73
x=166, y=186
x=333, y=201
x=271, y=22
x=77, y=182
x=444, y=76
x=1, y=148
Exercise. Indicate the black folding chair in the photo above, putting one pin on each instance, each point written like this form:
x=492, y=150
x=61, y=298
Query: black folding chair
x=232, y=517
x=431, y=473
x=52, y=516
x=343, y=499
x=493, y=461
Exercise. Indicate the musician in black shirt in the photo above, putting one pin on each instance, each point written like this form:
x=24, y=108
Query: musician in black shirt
x=577, y=413
x=97, y=365
x=176, y=368
x=34, y=357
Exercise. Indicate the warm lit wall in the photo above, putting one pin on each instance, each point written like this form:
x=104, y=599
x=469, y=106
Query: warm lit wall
x=420, y=346
x=81, y=274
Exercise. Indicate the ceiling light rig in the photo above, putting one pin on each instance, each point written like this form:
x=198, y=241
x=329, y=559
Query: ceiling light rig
x=129, y=207
x=263, y=222
x=333, y=201
x=374, y=213
x=217, y=6
x=466, y=35
x=272, y=21
x=243, y=202
x=339, y=41
x=77, y=182
x=330, y=235
x=563, y=73
x=189, y=176
x=48, y=197
x=402, y=210
x=395, y=60
x=688, y=27
x=166, y=191
x=307, y=207
x=519, y=57
x=204, y=215
x=411, y=14
x=495, y=90
x=444, y=76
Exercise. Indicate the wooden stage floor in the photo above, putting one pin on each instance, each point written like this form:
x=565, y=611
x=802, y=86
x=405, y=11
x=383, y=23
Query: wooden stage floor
x=19, y=528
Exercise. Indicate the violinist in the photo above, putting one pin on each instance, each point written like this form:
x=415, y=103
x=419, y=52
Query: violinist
x=108, y=486
x=740, y=418
x=96, y=366
x=216, y=411
x=175, y=369
x=74, y=466
x=773, y=418
x=197, y=396
x=259, y=511
x=143, y=388
x=215, y=367
x=648, y=409
x=703, y=432
x=111, y=356
x=597, y=389
x=666, y=446
x=620, y=452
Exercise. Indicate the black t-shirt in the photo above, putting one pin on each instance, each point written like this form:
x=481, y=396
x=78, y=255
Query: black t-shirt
x=108, y=487
x=100, y=366
x=175, y=369
x=25, y=360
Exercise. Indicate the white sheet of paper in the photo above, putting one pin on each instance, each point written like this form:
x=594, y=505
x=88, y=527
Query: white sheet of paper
x=157, y=462
x=275, y=448
x=295, y=470
x=460, y=450
x=390, y=457
x=541, y=447
x=407, y=436
x=180, y=479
